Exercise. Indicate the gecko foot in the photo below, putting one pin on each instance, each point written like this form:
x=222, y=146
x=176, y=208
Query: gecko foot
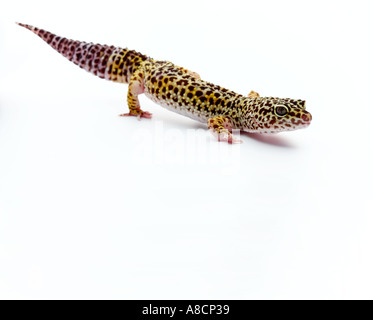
x=229, y=138
x=221, y=128
x=143, y=114
x=195, y=74
x=226, y=136
x=253, y=94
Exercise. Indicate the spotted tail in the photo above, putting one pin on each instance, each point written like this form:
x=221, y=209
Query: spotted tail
x=107, y=62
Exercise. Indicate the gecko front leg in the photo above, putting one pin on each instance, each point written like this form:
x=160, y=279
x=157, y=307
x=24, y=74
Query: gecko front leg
x=136, y=87
x=191, y=73
x=221, y=127
x=253, y=94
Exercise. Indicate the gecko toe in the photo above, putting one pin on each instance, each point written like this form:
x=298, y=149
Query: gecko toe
x=144, y=114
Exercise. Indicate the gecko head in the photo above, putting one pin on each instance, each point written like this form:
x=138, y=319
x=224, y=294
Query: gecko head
x=271, y=115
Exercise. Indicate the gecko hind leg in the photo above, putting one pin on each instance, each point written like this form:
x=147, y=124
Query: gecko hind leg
x=136, y=87
x=221, y=127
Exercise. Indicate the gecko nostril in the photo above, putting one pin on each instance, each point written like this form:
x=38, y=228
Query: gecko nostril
x=306, y=118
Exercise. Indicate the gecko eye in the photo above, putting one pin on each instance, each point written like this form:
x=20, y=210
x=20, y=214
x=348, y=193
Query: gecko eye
x=281, y=111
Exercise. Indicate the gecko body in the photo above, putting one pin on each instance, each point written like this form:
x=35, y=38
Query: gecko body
x=181, y=91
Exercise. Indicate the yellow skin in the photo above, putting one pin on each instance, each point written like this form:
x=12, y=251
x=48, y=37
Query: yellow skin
x=181, y=90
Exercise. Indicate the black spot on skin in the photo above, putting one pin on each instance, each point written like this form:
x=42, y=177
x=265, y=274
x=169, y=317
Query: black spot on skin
x=153, y=80
x=199, y=93
x=164, y=89
x=208, y=93
x=190, y=95
x=202, y=99
x=182, y=91
x=170, y=87
x=218, y=101
x=168, y=95
x=217, y=94
x=50, y=38
x=176, y=90
x=182, y=82
x=211, y=101
x=165, y=80
x=190, y=88
x=163, y=97
x=105, y=60
x=229, y=104
x=117, y=60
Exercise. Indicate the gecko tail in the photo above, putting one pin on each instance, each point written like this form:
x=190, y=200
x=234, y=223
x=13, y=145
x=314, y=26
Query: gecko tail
x=94, y=58
x=88, y=56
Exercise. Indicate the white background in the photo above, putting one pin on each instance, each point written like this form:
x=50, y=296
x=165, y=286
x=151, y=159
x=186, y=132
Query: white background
x=97, y=206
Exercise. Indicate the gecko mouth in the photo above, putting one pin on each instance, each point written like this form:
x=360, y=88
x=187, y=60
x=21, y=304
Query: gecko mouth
x=303, y=121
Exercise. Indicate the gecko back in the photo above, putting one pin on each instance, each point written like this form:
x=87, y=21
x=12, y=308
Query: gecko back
x=107, y=62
